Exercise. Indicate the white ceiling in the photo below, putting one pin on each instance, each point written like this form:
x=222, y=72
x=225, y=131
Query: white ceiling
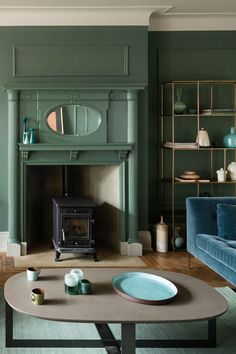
x=157, y=14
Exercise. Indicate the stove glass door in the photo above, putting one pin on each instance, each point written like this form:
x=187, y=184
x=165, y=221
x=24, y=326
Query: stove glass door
x=75, y=228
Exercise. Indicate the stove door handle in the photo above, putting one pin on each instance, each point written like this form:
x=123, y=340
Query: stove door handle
x=63, y=235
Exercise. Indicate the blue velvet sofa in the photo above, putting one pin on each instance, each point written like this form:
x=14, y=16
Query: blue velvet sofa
x=207, y=219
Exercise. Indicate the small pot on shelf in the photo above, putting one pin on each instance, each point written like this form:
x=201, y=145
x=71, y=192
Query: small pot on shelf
x=203, y=138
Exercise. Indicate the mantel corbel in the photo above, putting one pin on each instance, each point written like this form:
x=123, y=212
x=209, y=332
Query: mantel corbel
x=123, y=154
x=25, y=155
x=74, y=155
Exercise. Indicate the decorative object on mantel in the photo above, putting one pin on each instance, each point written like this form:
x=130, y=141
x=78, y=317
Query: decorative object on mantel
x=230, y=139
x=221, y=175
x=26, y=138
x=24, y=128
x=32, y=135
x=162, y=236
x=232, y=171
x=203, y=138
x=179, y=105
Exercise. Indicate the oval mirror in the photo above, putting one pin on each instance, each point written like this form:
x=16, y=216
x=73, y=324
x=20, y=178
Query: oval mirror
x=74, y=119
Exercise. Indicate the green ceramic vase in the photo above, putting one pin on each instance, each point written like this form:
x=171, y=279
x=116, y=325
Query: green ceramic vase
x=230, y=139
x=179, y=105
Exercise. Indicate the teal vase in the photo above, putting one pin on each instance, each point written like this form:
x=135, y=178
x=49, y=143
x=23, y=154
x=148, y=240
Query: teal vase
x=179, y=105
x=230, y=139
x=32, y=135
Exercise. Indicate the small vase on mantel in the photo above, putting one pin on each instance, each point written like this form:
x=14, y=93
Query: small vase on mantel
x=26, y=138
x=230, y=139
x=179, y=105
x=32, y=136
x=24, y=119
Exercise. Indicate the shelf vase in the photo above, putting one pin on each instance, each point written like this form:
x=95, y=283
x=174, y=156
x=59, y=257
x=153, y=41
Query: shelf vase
x=162, y=236
x=179, y=105
x=230, y=139
x=203, y=138
x=232, y=171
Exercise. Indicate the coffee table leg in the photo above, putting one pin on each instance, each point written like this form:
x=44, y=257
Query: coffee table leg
x=212, y=333
x=128, y=338
x=9, y=325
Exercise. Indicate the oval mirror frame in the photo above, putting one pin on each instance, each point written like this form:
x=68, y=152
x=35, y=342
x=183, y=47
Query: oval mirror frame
x=73, y=120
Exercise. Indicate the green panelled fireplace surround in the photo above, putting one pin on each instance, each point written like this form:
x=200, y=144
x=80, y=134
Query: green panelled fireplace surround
x=108, y=144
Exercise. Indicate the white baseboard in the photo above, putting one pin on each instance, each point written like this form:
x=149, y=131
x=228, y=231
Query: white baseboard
x=131, y=249
x=12, y=249
x=3, y=241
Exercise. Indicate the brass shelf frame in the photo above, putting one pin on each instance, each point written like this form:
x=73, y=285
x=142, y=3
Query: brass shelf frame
x=198, y=115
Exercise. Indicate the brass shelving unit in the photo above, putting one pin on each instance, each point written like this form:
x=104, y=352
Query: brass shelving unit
x=213, y=101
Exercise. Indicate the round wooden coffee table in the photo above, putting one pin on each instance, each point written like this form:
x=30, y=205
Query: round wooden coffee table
x=195, y=301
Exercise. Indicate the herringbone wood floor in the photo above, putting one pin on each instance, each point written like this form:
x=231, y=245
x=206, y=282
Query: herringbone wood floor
x=176, y=262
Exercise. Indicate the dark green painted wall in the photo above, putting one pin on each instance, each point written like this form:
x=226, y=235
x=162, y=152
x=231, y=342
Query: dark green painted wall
x=182, y=56
x=74, y=57
x=166, y=55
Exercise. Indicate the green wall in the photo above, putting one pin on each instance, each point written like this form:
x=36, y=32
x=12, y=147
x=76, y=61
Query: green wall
x=197, y=55
x=153, y=56
x=75, y=57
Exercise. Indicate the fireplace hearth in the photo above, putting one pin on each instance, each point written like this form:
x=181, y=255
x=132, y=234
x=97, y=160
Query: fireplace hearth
x=73, y=226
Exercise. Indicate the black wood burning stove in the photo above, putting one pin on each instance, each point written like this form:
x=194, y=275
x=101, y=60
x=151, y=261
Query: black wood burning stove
x=73, y=230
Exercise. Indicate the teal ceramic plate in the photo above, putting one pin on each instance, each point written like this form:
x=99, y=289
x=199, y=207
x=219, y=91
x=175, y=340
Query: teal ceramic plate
x=144, y=288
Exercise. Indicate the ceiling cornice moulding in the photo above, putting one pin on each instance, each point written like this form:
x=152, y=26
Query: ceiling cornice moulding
x=193, y=22
x=78, y=15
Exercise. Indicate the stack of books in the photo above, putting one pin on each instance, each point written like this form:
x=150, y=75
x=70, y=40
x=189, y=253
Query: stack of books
x=190, y=145
x=179, y=179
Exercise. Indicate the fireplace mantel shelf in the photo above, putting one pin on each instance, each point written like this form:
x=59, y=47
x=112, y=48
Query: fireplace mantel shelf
x=75, y=147
x=71, y=152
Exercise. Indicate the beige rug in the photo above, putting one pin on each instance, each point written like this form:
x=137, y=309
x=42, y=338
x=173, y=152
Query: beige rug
x=44, y=257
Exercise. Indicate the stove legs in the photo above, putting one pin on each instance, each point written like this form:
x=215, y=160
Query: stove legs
x=95, y=258
x=57, y=256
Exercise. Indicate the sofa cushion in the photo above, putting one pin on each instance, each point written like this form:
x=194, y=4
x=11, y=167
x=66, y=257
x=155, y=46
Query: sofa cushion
x=218, y=249
x=231, y=243
x=226, y=221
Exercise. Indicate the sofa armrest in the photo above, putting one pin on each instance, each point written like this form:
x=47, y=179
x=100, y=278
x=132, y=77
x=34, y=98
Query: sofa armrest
x=201, y=217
